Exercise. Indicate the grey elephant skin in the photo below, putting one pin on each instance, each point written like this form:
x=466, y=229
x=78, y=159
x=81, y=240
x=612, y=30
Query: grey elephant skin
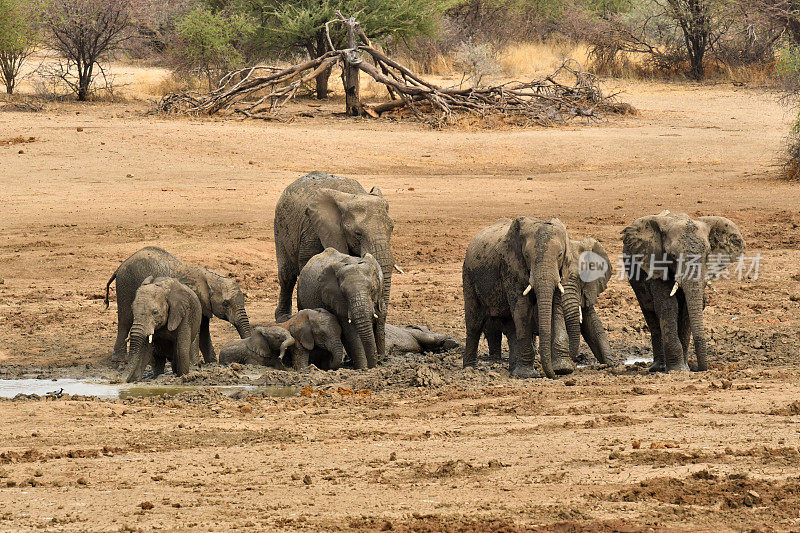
x=512, y=277
x=319, y=211
x=267, y=345
x=318, y=337
x=219, y=296
x=417, y=339
x=668, y=258
x=352, y=289
x=166, y=326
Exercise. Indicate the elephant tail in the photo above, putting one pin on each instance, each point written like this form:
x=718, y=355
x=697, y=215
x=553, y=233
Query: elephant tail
x=113, y=277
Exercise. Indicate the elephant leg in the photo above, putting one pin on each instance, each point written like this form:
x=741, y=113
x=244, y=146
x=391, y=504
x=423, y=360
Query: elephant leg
x=666, y=308
x=494, y=338
x=562, y=364
x=124, y=322
x=523, y=342
x=595, y=336
x=653, y=324
x=205, y=342
x=684, y=329
x=475, y=320
x=354, y=346
x=159, y=361
x=300, y=358
x=182, y=351
x=287, y=277
x=195, y=351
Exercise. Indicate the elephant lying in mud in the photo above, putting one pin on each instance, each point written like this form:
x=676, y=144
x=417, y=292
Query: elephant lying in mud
x=668, y=260
x=512, y=276
x=219, y=296
x=166, y=325
x=351, y=288
x=318, y=337
x=417, y=339
x=265, y=346
x=319, y=211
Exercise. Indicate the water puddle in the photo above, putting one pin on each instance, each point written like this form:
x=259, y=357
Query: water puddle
x=632, y=360
x=9, y=388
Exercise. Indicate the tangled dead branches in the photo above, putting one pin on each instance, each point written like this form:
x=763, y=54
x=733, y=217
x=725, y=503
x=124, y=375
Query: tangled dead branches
x=262, y=91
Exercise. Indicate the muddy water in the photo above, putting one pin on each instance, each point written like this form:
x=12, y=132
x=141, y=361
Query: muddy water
x=9, y=388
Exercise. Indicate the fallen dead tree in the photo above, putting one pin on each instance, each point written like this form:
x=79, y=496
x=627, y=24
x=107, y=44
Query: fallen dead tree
x=261, y=91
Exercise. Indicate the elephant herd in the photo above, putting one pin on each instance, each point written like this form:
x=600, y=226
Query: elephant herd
x=524, y=279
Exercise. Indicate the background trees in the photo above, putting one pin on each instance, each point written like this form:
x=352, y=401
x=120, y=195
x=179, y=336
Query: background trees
x=17, y=39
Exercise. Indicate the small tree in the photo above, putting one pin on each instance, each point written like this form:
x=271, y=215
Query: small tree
x=208, y=40
x=300, y=24
x=17, y=39
x=84, y=32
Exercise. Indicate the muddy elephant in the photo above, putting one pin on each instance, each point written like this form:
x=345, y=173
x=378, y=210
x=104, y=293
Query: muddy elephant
x=219, y=296
x=265, y=346
x=669, y=258
x=319, y=211
x=166, y=326
x=318, y=337
x=352, y=289
x=417, y=339
x=512, y=277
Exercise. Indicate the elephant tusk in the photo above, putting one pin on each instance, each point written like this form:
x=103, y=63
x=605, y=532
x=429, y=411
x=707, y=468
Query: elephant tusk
x=711, y=286
x=580, y=315
x=349, y=321
x=400, y=270
x=674, y=288
x=375, y=316
x=150, y=339
x=560, y=287
x=527, y=290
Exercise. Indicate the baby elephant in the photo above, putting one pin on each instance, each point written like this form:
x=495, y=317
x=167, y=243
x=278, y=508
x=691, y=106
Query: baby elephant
x=417, y=339
x=166, y=324
x=319, y=339
x=265, y=346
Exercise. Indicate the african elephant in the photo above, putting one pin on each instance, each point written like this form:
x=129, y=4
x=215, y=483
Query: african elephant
x=319, y=211
x=352, y=289
x=319, y=339
x=265, y=346
x=512, y=276
x=417, y=339
x=587, y=276
x=219, y=296
x=668, y=260
x=166, y=325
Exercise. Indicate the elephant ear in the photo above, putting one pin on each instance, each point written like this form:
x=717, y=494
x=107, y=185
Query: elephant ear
x=300, y=329
x=180, y=303
x=257, y=341
x=726, y=241
x=325, y=214
x=641, y=240
x=330, y=291
x=376, y=191
x=593, y=281
x=515, y=238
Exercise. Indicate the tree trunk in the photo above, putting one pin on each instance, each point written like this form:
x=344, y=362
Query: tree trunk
x=350, y=73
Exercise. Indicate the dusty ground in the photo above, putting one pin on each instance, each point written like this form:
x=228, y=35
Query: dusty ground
x=429, y=447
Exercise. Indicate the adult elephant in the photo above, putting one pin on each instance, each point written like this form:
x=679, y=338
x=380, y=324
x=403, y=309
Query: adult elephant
x=587, y=277
x=669, y=258
x=267, y=345
x=219, y=295
x=513, y=268
x=166, y=325
x=352, y=289
x=318, y=339
x=321, y=211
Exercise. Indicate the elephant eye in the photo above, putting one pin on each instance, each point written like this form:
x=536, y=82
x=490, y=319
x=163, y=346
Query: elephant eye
x=155, y=311
x=358, y=233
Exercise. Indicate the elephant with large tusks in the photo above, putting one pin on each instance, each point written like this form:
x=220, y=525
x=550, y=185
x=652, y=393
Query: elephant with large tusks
x=219, y=296
x=669, y=258
x=319, y=211
x=512, y=278
x=166, y=326
x=267, y=345
x=352, y=289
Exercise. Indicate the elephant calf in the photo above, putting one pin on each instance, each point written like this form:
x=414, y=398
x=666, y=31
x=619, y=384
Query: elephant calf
x=352, y=289
x=417, y=339
x=318, y=337
x=219, y=296
x=265, y=346
x=166, y=326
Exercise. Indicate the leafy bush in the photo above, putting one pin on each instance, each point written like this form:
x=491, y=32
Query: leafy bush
x=17, y=39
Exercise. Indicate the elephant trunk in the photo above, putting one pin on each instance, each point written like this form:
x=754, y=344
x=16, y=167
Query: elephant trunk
x=544, y=299
x=337, y=353
x=241, y=322
x=693, y=291
x=382, y=253
x=139, y=352
x=571, y=304
x=361, y=311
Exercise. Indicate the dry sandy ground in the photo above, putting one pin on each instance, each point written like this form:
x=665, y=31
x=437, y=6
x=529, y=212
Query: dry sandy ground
x=610, y=451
